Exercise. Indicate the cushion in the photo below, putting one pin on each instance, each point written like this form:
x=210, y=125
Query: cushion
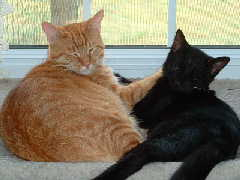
x=13, y=168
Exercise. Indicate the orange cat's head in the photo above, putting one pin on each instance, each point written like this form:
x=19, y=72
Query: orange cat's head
x=78, y=46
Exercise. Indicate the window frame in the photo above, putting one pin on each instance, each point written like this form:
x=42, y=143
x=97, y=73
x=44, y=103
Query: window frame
x=131, y=60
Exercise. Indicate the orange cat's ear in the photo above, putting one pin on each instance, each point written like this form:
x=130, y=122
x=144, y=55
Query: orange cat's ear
x=51, y=31
x=95, y=21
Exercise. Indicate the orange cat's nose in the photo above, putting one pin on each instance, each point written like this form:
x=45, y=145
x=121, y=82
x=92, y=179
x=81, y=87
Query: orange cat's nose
x=86, y=64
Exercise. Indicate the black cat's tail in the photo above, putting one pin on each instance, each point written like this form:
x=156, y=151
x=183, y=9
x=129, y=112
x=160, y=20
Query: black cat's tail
x=133, y=161
x=122, y=79
x=196, y=166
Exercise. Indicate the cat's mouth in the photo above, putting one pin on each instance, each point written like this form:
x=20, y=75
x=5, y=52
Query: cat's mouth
x=185, y=87
x=87, y=70
x=79, y=68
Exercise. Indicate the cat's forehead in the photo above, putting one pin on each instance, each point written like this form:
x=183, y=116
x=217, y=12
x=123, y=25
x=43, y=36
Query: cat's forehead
x=194, y=51
x=75, y=27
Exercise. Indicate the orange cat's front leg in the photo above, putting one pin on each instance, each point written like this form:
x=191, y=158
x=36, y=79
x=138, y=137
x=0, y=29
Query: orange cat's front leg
x=130, y=94
x=136, y=91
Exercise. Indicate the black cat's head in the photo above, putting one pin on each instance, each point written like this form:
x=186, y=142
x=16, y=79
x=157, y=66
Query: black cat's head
x=188, y=68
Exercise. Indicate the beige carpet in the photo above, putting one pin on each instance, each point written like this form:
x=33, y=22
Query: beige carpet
x=12, y=168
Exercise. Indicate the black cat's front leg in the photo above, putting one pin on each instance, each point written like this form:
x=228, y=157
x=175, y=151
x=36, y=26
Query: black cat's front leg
x=198, y=164
x=130, y=163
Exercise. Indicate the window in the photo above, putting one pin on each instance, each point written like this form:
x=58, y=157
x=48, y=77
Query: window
x=23, y=26
x=210, y=22
x=130, y=22
x=133, y=22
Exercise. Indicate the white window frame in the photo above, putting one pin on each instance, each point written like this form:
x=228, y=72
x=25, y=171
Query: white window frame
x=128, y=62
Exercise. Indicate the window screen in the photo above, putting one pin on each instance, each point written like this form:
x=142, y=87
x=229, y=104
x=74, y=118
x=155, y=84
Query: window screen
x=128, y=22
x=133, y=22
x=23, y=26
x=210, y=22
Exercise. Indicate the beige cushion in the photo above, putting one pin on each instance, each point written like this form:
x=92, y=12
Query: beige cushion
x=13, y=168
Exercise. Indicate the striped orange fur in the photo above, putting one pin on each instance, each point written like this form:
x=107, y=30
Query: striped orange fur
x=71, y=107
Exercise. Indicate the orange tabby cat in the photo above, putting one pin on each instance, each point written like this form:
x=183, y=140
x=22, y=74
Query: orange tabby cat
x=71, y=107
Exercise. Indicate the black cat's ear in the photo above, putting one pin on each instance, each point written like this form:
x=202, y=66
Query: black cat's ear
x=179, y=41
x=218, y=64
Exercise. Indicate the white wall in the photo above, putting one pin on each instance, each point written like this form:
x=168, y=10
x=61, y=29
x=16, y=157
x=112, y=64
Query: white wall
x=128, y=62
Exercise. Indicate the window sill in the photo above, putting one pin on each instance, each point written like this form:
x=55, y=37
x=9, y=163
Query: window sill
x=129, y=62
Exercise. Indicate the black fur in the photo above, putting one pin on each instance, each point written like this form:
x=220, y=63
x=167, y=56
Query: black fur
x=186, y=121
x=122, y=79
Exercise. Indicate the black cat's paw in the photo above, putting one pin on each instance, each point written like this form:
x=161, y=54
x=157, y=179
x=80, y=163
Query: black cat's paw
x=106, y=177
x=111, y=173
x=101, y=178
x=182, y=178
x=122, y=79
x=187, y=176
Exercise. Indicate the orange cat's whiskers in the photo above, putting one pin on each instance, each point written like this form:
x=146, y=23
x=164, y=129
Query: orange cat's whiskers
x=62, y=60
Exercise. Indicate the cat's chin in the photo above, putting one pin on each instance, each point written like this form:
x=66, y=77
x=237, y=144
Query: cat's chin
x=85, y=72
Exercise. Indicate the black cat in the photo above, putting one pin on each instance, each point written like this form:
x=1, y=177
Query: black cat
x=185, y=120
